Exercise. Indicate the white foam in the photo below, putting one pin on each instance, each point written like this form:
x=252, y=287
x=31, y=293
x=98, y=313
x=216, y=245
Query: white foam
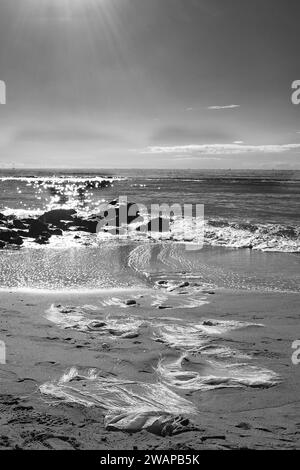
x=178, y=336
x=78, y=318
x=196, y=335
x=264, y=237
x=214, y=375
x=129, y=405
x=61, y=179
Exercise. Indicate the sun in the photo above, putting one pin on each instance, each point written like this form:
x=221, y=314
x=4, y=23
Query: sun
x=78, y=21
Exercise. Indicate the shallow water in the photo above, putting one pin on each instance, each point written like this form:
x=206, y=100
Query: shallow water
x=111, y=265
x=242, y=209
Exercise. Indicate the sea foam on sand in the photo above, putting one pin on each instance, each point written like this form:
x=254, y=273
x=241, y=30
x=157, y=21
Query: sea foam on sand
x=77, y=318
x=129, y=406
x=214, y=375
x=204, y=363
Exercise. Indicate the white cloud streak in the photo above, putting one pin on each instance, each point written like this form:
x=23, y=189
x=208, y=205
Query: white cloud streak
x=229, y=106
x=218, y=149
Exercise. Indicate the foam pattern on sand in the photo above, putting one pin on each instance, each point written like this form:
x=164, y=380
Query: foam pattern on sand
x=79, y=318
x=130, y=406
x=196, y=335
x=213, y=375
x=203, y=364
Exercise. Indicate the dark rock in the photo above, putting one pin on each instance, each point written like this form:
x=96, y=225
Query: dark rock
x=98, y=184
x=42, y=240
x=243, y=425
x=98, y=324
x=19, y=224
x=2, y=244
x=56, y=216
x=114, y=202
x=65, y=225
x=3, y=217
x=184, y=284
x=116, y=214
x=86, y=225
x=56, y=231
x=130, y=302
x=37, y=228
x=10, y=236
x=6, y=235
x=23, y=233
x=17, y=241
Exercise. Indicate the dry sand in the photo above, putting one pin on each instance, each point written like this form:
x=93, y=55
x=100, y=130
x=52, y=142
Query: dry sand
x=39, y=351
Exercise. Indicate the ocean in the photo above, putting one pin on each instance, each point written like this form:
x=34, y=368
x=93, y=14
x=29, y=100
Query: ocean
x=251, y=230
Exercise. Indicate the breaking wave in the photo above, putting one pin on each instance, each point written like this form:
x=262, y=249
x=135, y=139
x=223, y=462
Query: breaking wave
x=265, y=237
x=92, y=180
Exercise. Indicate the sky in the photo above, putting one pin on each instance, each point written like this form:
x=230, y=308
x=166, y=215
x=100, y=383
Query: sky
x=149, y=84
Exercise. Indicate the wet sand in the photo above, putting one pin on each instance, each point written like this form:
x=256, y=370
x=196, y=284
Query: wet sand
x=38, y=351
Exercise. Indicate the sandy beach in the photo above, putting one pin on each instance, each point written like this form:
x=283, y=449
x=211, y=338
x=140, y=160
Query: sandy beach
x=40, y=351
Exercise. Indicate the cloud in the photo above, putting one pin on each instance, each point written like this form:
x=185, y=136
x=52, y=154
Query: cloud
x=229, y=106
x=218, y=149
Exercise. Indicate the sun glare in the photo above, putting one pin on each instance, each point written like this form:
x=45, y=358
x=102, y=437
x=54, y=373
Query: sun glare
x=65, y=7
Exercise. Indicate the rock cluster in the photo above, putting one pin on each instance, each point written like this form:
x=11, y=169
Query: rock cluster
x=13, y=231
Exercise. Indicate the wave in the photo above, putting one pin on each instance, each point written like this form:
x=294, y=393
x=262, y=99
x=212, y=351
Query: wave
x=194, y=232
x=22, y=213
x=223, y=233
x=62, y=179
x=264, y=237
